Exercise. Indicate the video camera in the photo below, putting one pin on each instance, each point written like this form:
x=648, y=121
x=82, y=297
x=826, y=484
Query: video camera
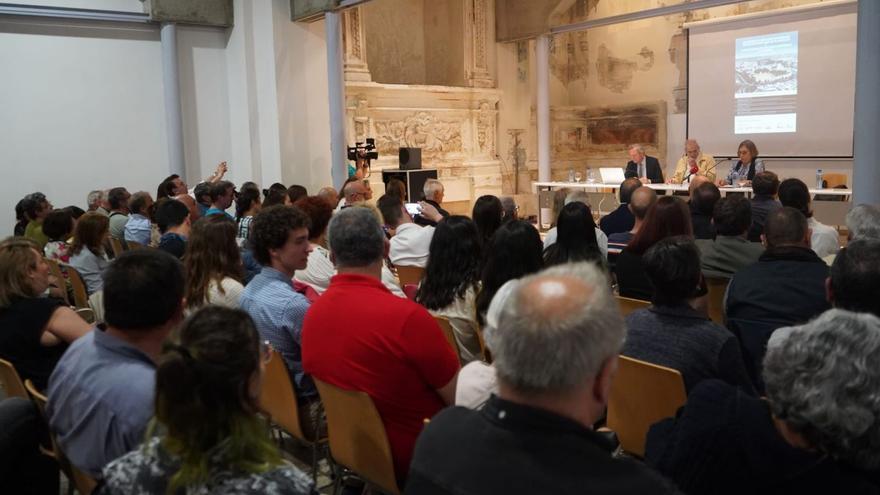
x=366, y=150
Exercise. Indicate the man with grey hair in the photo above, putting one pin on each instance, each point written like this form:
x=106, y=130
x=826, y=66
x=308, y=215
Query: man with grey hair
x=433, y=191
x=555, y=347
x=815, y=431
x=645, y=168
x=579, y=197
x=97, y=201
x=693, y=163
x=862, y=222
x=359, y=336
x=854, y=283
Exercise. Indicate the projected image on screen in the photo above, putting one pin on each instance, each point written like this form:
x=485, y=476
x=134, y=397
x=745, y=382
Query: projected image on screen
x=766, y=83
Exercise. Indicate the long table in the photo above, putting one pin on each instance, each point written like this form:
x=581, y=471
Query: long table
x=830, y=212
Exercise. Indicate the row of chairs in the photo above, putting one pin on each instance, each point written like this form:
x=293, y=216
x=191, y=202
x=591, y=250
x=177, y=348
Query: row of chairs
x=717, y=288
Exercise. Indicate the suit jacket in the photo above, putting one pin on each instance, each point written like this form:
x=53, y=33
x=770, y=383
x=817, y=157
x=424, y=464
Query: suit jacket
x=726, y=255
x=619, y=220
x=652, y=170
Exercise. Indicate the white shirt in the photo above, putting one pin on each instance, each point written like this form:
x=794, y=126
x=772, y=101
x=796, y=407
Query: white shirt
x=320, y=270
x=476, y=382
x=824, y=240
x=601, y=239
x=462, y=315
x=228, y=298
x=409, y=246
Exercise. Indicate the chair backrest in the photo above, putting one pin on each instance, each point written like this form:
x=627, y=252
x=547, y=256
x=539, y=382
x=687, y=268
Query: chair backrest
x=642, y=394
x=55, y=271
x=410, y=275
x=278, y=398
x=832, y=180
x=717, y=287
x=449, y=333
x=628, y=305
x=357, y=436
x=87, y=314
x=117, y=247
x=80, y=294
x=132, y=245
x=11, y=381
x=411, y=290
x=84, y=483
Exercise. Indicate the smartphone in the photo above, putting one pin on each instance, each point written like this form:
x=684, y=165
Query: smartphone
x=413, y=208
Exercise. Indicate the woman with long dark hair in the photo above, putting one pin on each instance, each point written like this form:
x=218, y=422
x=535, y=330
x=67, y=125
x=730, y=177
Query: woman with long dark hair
x=487, y=214
x=207, y=399
x=452, y=279
x=668, y=217
x=247, y=204
x=576, y=237
x=515, y=251
x=213, y=264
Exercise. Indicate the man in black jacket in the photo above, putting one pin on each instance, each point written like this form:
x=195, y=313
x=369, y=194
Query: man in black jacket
x=643, y=167
x=621, y=219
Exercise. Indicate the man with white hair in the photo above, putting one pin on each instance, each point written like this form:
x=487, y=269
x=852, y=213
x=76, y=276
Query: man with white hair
x=555, y=348
x=433, y=191
x=693, y=163
x=97, y=202
x=645, y=168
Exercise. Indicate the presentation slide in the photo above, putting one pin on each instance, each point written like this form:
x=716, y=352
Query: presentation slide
x=766, y=83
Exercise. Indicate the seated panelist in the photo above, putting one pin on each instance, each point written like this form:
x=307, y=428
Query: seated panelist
x=693, y=163
x=743, y=171
x=645, y=168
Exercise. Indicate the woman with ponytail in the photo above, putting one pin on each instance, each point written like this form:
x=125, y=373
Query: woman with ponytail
x=212, y=440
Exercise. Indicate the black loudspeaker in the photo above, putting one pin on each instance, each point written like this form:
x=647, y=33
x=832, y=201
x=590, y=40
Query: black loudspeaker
x=410, y=158
x=413, y=179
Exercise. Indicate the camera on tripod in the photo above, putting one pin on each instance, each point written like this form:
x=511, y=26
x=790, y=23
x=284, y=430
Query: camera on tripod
x=363, y=150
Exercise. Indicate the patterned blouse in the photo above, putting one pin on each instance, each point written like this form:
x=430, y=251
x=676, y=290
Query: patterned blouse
x=57, y=250
x=147, y=470
x=244, y=230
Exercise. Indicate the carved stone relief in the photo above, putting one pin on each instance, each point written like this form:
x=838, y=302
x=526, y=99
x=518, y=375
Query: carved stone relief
x=354, y=51
x=476, y=34
x=421, y=130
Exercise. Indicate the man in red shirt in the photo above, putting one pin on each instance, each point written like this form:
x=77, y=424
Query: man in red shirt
x=359, y=336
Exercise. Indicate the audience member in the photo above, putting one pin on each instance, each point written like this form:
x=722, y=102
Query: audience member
x=578, y=197
x=276, y=187
x=555, y=350
x=296, y=192
x=280, y=240
x=621, y=219
x=202, y=193
x=854, y=284
x=222, y=196
x=515, y=251
x=139, y=228
x=824, y=239
x=730, y=250
x=320, y=269
x=863, y=221
x=74, y=211
x=433, y=191
x=702, y=205
x=411, y=242
x=247, y=204
x=96, y=201
x=396, y=352
x=487, y=215
x=576, y=237
x=118, y=198
x=173, y=220
x=101, y=392
x=559, y=196
x=743, y=171
x=213, y=264
x=24, y=469
x=397, y=188
x=272, y=197
x=329, y=195
x=58, y=227
x=509, y=209
x=368, y=190
x=87, y=253
x=36, y=208
x=673, y=332
x=785, y=287
x=815, y=431
x=452, y=279
x=21, y=219
x=693, y=163
x=210, y=438
x=765, y=187
x=640, y=201
x=667, y=217
x=36, y=330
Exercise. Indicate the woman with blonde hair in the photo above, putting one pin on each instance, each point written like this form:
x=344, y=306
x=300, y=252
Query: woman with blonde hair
x=212, y=263
x=35, y=330
x=87, y=253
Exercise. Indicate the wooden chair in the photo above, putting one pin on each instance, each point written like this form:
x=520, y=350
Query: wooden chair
x=410, y=275
x=87, y=314
x=832, y=180
x=132, y=245
x=84, y=483
x=117, y=247
x=449, y=333
x=11, y=381
x=717, y=287
x=55, y=271
x=80, y=294
x=642, y=394
x=358, y=441
x=628, y=305
x=411, y=290
x=278, y=401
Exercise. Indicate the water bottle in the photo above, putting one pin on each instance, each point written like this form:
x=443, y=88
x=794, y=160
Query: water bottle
x=819, y=182
x=571, y=175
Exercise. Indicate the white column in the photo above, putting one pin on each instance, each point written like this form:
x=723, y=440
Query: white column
x=866, y=146
x=542, y=49
x=335, y=84
x=173, y=119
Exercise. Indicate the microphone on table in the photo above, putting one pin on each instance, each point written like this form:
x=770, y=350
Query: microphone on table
x=693, y=170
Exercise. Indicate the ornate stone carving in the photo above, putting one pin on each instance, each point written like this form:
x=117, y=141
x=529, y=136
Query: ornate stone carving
x=354, y=52
x=477, y=39
x=421, y=130
x=361, y=119
x=486, y=128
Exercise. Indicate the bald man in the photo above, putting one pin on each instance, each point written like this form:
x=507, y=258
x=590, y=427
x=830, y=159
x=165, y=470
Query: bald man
x=639, y=203
x=694, y=163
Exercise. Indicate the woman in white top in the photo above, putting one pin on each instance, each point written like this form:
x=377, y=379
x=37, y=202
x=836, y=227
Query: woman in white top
x=87, y=251
x=247, y=204
x=320, y=269
x=213, y=264
x=451, y=280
